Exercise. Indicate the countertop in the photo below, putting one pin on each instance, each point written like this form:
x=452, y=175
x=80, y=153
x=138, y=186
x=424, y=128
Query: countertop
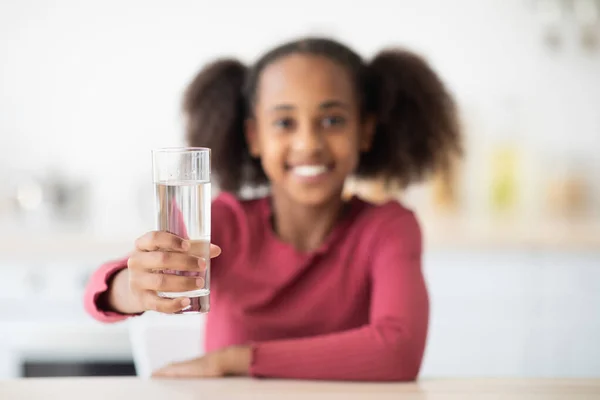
x=444, y=234
x=440, y=232
x=241, y=388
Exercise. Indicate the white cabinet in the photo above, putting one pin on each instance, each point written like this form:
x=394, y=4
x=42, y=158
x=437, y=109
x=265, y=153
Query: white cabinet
x=42, y=317
x=513, y=314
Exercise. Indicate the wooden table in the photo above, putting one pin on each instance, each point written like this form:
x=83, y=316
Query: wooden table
x=242, y=389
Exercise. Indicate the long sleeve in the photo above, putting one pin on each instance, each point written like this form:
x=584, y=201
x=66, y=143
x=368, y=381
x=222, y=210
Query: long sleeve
x=391, y=346
x=97, y=285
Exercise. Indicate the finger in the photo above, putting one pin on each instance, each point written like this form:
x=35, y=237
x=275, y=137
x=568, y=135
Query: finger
x=165, y=282
x=163, y=260
x=169, y=371
x=187, y=369
x=153, y=302
x=215, y=250
x=161, y=373
x=160, y=240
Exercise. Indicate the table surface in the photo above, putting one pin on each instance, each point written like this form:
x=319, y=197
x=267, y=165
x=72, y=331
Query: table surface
x=241, y=388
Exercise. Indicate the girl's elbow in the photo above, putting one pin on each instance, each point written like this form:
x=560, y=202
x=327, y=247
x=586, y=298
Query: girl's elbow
x=401, y=370
x=401, y=361
x=405, y=374
x=401, y=356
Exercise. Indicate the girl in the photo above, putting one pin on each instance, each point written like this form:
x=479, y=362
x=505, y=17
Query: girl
x=308, y=286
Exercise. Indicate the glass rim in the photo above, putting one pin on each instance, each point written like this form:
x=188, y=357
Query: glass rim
x=180, y=150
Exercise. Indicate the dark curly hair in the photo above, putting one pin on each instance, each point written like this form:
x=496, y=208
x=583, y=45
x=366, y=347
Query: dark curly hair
x=417, y=129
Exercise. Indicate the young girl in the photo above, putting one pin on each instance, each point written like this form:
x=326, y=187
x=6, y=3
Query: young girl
x=308, y=286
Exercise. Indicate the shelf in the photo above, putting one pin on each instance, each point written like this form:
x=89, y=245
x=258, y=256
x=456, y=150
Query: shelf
x=455, y=233
x=58, y=247
x=439, y=233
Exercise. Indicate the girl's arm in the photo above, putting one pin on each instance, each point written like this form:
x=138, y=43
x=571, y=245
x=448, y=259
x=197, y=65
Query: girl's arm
x=390, y=347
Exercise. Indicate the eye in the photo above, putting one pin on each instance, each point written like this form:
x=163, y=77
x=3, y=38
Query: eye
x=333, y=121
x=284, y=123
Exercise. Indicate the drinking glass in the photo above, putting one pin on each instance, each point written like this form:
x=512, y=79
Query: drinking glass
x=182, y=199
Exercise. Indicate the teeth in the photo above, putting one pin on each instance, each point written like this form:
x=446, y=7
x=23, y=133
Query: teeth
x=309, y=170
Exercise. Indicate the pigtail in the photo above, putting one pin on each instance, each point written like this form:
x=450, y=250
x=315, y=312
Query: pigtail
x=417, y=129
x=215, y=109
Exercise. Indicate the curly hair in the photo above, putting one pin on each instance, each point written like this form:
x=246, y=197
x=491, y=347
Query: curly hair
x=417, y=129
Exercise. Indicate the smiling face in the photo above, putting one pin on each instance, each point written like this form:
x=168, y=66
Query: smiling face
x=307, y=128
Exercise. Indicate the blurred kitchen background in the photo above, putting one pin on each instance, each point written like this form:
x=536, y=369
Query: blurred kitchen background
x=512, y=236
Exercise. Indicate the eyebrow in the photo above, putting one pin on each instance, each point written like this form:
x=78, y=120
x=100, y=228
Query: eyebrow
x=333, y=104
x=323, y=106
x=283, y=107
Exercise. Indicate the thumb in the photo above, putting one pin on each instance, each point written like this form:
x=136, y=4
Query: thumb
x=214, y=250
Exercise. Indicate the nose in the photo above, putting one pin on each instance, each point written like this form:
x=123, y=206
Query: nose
x=308, y=139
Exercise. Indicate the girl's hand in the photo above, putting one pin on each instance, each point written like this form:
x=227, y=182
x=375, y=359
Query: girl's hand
x=234, y=360
x=160, y=262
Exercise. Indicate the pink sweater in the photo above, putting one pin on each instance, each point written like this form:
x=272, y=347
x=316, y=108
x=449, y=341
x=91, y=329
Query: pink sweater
x=355, y=309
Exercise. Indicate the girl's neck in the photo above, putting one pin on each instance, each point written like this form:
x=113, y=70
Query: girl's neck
x=305, y=227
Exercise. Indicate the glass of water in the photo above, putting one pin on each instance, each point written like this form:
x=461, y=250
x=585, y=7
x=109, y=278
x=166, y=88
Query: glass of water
x=182, y=200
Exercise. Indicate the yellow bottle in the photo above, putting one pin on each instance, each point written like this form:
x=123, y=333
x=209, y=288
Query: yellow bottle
x=504, y=179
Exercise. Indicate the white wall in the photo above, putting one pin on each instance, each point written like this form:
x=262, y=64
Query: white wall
x=91, y=86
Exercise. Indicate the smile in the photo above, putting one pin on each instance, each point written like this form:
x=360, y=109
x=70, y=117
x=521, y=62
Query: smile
x=309, y=171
